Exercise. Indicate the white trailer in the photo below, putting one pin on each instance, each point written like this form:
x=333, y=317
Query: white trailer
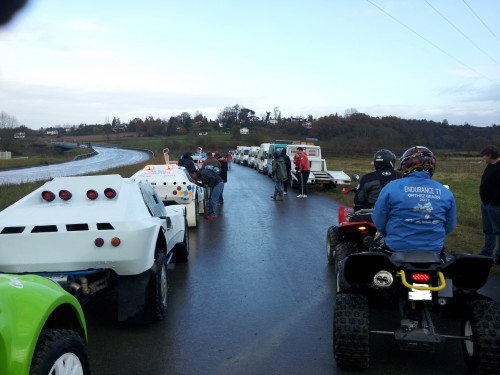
x=319, y=172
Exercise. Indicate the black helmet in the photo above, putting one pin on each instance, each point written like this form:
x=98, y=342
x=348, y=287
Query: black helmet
x=418, y=158
x=276, y=154
x=384, y=159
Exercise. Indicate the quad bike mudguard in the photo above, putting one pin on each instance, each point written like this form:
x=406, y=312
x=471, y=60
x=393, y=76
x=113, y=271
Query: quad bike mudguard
x=468, y=271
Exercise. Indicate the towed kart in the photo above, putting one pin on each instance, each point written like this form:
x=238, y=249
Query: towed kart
x=94, y=234
x=42, y=328
x=420, y=287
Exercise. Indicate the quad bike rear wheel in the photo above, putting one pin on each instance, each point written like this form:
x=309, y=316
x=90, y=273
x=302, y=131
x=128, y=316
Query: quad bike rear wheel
x=332, y=238
x=351, y=331
x=482, y=324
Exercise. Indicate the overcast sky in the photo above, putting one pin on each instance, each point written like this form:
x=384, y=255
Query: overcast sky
x=73, y=62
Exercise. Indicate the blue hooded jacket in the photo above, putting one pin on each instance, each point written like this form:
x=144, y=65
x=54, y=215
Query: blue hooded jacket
x=415, y=213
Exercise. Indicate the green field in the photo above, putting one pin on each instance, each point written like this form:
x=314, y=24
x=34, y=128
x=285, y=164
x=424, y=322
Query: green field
x=462, y=174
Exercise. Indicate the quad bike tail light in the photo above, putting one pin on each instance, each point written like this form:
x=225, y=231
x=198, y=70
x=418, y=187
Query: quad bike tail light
x=99, y=242
x=420, y=277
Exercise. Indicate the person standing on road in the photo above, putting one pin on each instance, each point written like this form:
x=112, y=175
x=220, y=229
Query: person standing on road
x=216, y=185
x=288, y=165
x=490, y=202
x=278, y=175
x=414, y=212
x=224, y=167
x=303, y=169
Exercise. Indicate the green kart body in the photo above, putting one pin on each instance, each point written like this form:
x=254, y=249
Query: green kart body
x=30, y=304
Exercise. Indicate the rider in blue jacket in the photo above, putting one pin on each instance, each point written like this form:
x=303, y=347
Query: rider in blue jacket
x=414, y=212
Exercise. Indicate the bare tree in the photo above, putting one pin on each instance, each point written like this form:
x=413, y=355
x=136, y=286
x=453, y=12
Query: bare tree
x=276, y=113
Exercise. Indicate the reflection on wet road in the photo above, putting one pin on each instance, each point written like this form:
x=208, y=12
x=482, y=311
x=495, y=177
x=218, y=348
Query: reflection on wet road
x=255, y=298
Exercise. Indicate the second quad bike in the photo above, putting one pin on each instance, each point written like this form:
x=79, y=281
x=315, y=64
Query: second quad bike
x=420, y=287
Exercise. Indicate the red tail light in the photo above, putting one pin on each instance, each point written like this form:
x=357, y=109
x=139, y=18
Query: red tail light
x=92, y=194
x=149, y=168
x=109, y=193
x=48, y=196
x=99, y=242
x=421, y=277
x=65, y=195
x=115, y=241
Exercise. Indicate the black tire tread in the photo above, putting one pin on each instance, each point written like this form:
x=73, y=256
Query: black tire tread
x=351, y=331
x=484, y=317
x=51, y=340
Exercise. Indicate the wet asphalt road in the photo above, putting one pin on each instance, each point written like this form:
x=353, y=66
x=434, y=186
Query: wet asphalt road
x=106, y=158
x=254, y=298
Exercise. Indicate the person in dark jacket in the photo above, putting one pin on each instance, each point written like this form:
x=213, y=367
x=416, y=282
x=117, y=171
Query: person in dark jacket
x=288, y=165
x=224, y=167
x=490, y=202
x=372, y=183
x=187, y=162
x=278, y=175
x=216, y=185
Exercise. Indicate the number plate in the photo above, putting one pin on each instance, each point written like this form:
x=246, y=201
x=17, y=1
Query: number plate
x=419, y=295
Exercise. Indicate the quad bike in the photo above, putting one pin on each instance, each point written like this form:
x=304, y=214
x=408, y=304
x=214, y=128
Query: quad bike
x=354, y=233
x=421, y=285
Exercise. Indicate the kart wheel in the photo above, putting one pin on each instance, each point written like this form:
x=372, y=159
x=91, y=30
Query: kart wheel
x=482, y=324
x=192, y=213
x=60, y=351
x=351, y=331
x=181, y=250
x=160, y=277
x=332, y=237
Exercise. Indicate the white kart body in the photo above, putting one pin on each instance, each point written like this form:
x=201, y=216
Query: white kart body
x=173, y=186
x=38, y=236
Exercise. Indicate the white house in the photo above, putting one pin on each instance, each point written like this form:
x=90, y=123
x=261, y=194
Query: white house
x=244, y=131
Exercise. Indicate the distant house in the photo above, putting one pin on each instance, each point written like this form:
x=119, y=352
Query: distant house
x=273, y=122
x=52, y=132
x=203, y=133
x=307, y=125
x=244, y=131
x=253, y=118
x=20, y=135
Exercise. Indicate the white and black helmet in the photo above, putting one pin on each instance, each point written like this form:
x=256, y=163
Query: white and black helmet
x=384, y=159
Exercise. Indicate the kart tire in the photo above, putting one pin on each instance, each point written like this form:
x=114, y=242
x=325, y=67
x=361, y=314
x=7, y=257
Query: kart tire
x=160, y=293
x=60, y=351
x=351, y=331
x=482, y=322
x=193, y=213
x=181, y=250
x=332, y=237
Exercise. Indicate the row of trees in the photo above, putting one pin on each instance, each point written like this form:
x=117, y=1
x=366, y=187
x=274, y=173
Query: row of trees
x=351, y=132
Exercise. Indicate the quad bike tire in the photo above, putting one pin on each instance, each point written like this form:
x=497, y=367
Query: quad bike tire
x=60, y=351
x=351, y=331
x=482, y=322
x=332, y=238
x=342, y=251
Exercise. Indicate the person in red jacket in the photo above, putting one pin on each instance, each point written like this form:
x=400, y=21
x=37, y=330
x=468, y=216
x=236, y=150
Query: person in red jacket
x=303, y=169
